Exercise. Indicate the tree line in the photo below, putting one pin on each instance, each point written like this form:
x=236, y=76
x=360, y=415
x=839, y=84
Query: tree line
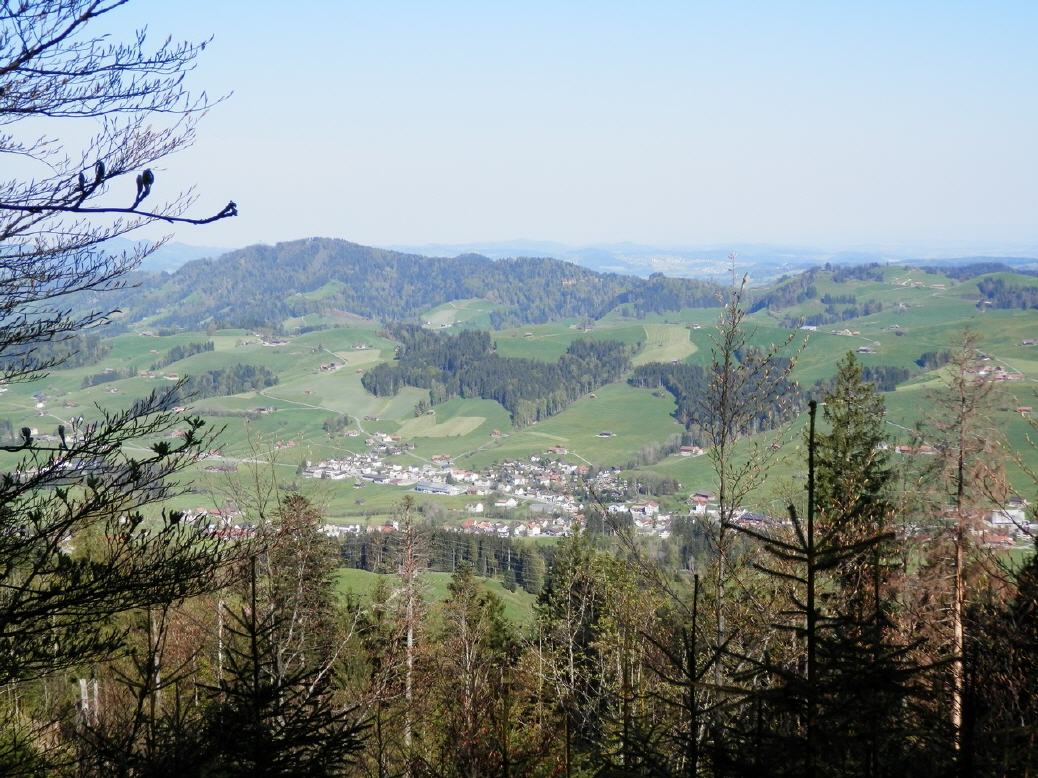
x=931, y=360
x=178, y=353
x=689, y=384
x=1000, y=293
x=227, y=380
x=210, y=383
x=515, y=563
x=336, y=425
x=466, y=365
x=107, y=376
x=838, y=299
x=261, y=286
x=982, y=266
x=870, y=271
x=833, y=314
x=884, y=377
x=76, y=350
x=788, y=292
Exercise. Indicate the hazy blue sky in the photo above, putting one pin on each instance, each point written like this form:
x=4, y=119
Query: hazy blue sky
x=837, y=124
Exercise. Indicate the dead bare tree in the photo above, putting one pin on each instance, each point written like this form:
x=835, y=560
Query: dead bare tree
x=746, y=393
x=412, y=562
x=965, y=475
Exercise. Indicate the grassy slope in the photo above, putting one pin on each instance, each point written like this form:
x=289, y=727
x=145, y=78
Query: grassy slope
x=548, y=342
x=518, y=604
x=635, y=416
x=474, y=312
x=665, y=343
x=929, y=318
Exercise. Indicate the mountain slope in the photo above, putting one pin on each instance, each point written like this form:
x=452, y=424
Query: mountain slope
x=263, y=285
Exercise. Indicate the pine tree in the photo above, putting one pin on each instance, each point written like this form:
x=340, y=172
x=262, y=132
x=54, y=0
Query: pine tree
x=853, y=470
x=381, y=631
x=834, y=705
x=569, y=611
x=869, y=672
x=533, y=571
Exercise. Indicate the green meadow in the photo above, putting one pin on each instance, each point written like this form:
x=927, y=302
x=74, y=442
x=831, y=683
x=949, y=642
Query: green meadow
x=518, y=605
x=474, y=312
x=320, y=376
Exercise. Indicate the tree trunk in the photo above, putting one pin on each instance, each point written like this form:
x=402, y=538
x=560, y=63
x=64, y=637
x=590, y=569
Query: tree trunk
x=812, y=616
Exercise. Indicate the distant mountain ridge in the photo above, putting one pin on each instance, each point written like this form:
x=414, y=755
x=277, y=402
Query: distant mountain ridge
x=263, y=285
x=166, y=258
x=763, y=263
x=708, y=263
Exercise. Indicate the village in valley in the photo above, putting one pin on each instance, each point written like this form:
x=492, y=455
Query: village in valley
x=545, y=496
x=542, y=496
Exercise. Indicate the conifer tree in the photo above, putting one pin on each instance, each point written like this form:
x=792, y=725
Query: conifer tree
x=834, y=703
x=870, y=671
x=381, y=631
x=853, y=470
x=533, y=571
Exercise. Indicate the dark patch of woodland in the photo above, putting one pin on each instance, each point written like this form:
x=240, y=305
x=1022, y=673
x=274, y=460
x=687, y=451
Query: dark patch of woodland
x=980, y=268
x=1002, y=294
x=834, y=315
x=335, y=425
x=515, y=563
x=466, y=365
x=838, y=299
x=930, y=360
x=689, y=385
x=178, y=353
x=873, y=271
x=230, y=380
x=796, y=290
x=106, y=376
x=78, y=350
x=261, y=286
x=884, y=377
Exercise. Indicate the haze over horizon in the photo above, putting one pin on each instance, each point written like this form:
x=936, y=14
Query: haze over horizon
x=177, y=252
x=884, y=126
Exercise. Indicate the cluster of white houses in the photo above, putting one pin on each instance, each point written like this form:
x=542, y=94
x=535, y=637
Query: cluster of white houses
x=368, y=466
x=559, y=514
x=544, y=496
x=550, y=494
x=547, y=485
x=1008, y=525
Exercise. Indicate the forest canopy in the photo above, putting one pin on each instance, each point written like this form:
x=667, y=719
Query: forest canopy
x=466, y=365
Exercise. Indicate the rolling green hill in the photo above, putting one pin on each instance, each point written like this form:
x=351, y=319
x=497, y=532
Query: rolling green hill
x=319, y=379
x=269, y=285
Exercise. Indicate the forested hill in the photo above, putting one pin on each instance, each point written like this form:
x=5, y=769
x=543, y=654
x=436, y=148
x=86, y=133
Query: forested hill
x=263, y=285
